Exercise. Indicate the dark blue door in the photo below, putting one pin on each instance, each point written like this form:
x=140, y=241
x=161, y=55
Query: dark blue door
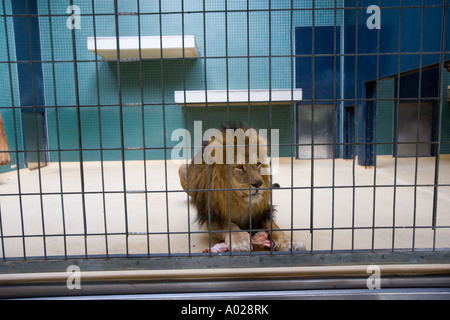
x=318, y=66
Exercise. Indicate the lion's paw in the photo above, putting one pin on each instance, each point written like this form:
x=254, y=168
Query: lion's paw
x=240, y=242
x=288, y=246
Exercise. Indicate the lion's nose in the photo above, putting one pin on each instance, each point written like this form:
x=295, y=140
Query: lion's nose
x=257, y=184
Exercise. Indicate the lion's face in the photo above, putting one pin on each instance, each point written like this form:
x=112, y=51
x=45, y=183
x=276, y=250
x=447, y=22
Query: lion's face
x=246, y=180
x=241, y=169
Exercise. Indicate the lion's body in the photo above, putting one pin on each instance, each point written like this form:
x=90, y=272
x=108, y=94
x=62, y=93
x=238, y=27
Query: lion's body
x=220, y=206
x=234, y=196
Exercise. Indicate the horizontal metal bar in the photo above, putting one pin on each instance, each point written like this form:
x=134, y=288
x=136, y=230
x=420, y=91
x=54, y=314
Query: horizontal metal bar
x=284, y=289
x=352, y=294
x=212, y=11
x=221, y=261
x=396, y=186
x=97, y=234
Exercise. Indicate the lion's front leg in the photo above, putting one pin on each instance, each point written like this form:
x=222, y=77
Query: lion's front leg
x=238, y=241
x=281, y=242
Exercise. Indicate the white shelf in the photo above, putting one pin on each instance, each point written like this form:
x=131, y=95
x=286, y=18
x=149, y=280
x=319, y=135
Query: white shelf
x=172, y=47
x=198, y=98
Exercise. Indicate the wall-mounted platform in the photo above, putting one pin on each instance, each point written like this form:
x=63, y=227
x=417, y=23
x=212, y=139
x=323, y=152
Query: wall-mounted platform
x=258, y=96
x=172, y=47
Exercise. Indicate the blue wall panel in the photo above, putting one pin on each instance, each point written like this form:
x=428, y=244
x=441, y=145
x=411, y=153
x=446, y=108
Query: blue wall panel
x=28, y=51
x=326, y=81
x=242, y=51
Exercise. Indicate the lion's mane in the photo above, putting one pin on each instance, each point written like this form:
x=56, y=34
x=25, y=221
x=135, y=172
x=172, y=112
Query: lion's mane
x=218, y=202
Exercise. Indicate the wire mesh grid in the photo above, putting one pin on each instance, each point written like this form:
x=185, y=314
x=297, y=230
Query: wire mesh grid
x=362, y=163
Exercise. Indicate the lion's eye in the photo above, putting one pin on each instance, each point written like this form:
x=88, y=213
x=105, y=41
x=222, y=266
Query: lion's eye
x=258, y=164
x=240, y=168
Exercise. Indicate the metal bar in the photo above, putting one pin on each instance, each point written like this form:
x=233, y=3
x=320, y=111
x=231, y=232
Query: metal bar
x=374, y=195
x=396, y=143
x=141, y=81
x=227, y=73
x=440, y=112
x=164, y=127
x=213, y=289
x=16, y=139
x=249, y=121
x=169, y=12
x=340, y=258
x=49, y=235
x=416, y=169
x=186, y=126
x=80, y=136
x=313, y=13
x=105, y=224
x=58, y=139
x=292, y=114
x=361, y=54
x=355, y=131
x=122, y=132
x=208, y=190
x=333, y=178
x=270, y=121
x=33, y=88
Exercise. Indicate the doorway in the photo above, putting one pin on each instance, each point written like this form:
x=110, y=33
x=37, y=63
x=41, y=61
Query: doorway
x=414, y=131
x=35, y=139
x=321, y=126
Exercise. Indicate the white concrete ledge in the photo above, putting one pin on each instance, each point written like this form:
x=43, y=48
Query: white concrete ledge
x=150, y=47
x=201, y=97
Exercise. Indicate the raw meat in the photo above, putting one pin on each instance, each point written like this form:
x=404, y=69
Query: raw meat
x=258, y=239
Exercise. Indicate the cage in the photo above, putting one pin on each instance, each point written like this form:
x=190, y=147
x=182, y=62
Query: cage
x=353, y=95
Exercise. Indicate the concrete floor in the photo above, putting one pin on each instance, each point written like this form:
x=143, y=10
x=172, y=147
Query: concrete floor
x=352, y=207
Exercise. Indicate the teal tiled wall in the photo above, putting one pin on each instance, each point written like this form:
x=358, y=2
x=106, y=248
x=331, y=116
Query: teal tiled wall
x=154, y=82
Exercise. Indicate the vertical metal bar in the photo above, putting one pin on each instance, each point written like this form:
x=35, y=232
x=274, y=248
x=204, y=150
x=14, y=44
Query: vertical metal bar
x=184, y=90
x=416, y=167
x=164, y=127
x=105, y=224
x=270, y=120
x=439, y=129
x=335, y=106
x=293, y=104
x=141, y=82
x=58, y=138
x=374, y=195
x=396, y=135
x=355, y=131
x=33, y=88
x=207, y=124
x=229, y=122
x=249, y=121
x=80, y=137
x=16, y=139
x=312, y=123
x=122, y=133
x=2, y=242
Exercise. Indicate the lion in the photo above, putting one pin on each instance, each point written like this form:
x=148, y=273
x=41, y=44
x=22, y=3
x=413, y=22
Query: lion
x=235, y=196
